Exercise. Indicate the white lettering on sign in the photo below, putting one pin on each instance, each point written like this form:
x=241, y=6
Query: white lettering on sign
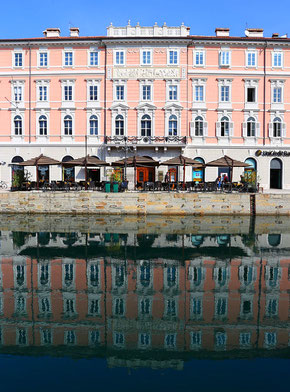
x=146, y=73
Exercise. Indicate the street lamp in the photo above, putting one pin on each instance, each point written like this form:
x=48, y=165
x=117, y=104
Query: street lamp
x=126, y=148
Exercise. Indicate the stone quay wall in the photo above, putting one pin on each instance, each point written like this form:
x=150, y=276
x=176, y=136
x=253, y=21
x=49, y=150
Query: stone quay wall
x=137, y=203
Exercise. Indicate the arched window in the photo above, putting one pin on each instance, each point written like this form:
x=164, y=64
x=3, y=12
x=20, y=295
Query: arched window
x=146, y=125
x=197, y=173
x=225, y=126
x=251, y=127
x=198, y=126
x=68, y=125
x=17, y=171
x=119, y=125
x=17, y=125
x=68, y=173
x=172, y=125
x=250, y=173
x=277, y=127
x=42, y=125
x=94, y=125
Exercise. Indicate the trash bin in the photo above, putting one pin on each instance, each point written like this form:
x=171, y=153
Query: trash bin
x=108, y=187
x=115, y=187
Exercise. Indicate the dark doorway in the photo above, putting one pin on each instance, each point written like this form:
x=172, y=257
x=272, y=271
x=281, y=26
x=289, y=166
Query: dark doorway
x=276, y=174
x=94, y=175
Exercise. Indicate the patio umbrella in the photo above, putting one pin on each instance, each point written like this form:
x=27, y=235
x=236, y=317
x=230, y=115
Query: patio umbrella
x=41, y=160
x=136, y=161
x=87, y=161
x=226, y=161
x=183, y=161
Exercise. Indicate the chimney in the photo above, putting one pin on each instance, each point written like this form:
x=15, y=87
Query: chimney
x=275, y=35
x=222, y=32
x=255, y=33
x=51, y=33
x=74, y=32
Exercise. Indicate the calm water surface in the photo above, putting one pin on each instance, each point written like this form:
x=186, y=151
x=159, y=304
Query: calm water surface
x=124, y=304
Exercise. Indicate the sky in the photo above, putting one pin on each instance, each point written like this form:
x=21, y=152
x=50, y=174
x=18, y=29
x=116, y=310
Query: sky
x=25, y=19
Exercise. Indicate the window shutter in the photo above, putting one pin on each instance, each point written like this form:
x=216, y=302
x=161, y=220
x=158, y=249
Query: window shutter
x=220, y=56
x=218, y=129
x=192, y=125
x=231, y=129
x=283, y=129
x=205, y=128
x=271, y=128
x=257, y=129
x=244, y=129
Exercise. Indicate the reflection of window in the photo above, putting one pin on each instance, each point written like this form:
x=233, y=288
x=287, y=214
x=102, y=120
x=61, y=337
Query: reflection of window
x=272, y=275
x=274, y=239
x=196, y=307
x=44, y=306
x=272, y=307
x=171, y=307
x=22, y=336
x=119, y=276
x=221, y=307
x=195, y=339
x=170, y=341
x=245, y=339
x=94, y=275
x=247, y=307
x=20, y=276
x=68, y=274
x=220, y=339
x=270, y=339
x=145, y=306
x=171, y=276
x=144, y=340
x=119, y=339
x=94, y=337
x=70, y=337
x=246, y=274
x=145, y=274
x=94, y=307
x=119, y=307
x=46, y=336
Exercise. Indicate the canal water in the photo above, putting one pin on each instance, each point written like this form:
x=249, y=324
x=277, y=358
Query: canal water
x=158, y=304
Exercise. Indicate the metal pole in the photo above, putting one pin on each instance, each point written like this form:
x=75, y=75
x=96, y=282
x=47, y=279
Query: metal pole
x=125, y=174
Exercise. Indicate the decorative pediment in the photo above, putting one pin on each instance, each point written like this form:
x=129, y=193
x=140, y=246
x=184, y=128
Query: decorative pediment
x=119, y=107
x=173, y=107
x=146, y=106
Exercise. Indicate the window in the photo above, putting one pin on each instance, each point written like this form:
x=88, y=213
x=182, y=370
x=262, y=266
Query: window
x=17, y=93
x=146, y=125
x=277, y=59
x=68, y=93
x=120, y=93
x=93, y=93
x=146, y=57
x=42, y=125
x=277, y=127
x=225, y=126
x=251, y=94
x=146, y=93
x=225, y=94
x=225, y=58
x=172, y=93
x=172, y=126
x=17, y=126
x=199, y=93
x=173, y=57
x=277, y=94
x=94, y=58
x=43, y=59
x=198, y=126
x=251, y=127
x=68, y=59
x=18, y=59
x=42, y=93
x=119, y=57
x=94, y=125
x=119, y=125
x=251, y=59
x=68, y=132
x=199, y=58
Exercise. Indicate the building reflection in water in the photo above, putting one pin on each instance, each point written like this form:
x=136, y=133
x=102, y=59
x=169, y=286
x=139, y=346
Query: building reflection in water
x=144, y=299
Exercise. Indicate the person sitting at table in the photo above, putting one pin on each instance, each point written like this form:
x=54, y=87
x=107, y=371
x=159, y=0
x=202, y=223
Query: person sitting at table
x=225, y=179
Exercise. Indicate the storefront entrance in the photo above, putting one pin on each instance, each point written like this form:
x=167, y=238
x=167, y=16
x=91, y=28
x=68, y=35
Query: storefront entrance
x=145, y=174
x=94, y=175
x=276, y=174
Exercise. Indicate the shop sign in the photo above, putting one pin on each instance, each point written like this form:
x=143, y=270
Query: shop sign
x=273, y=153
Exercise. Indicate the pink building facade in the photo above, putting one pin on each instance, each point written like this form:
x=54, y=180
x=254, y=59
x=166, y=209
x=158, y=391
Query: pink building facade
x=154, y=91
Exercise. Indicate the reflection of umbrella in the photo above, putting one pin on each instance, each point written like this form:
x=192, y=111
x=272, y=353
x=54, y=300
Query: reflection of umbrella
x=41, y=160
x=183, y=161
x=226, y=161
x=87, y=161
x=136, y=161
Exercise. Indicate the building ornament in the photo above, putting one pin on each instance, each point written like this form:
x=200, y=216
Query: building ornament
x=146, y=73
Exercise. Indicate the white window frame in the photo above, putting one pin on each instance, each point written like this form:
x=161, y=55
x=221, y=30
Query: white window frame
x=169, y=83
x=96, y=113
x=68, y=50
x=97, y=83
x=93, y=50
x=218, y=126
x=274, y=52
x=192, y=126
x=245, y=127
x=66, y=137
x=141, y=57
x=168, y=114
x=41, y=51
x=225, y=83
x=18, y=84
x=197, y=50
x=119, y=82
x=42, y=83
x=251, y=51
x=146, y=82
x=115, y=57
x=123, y=113
x=64, y=83
x=168, y=56
x=16, y=51
x=38, y=115
x=14, y=114
x=271, y=127
x=277, y=83
x=221, y=53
